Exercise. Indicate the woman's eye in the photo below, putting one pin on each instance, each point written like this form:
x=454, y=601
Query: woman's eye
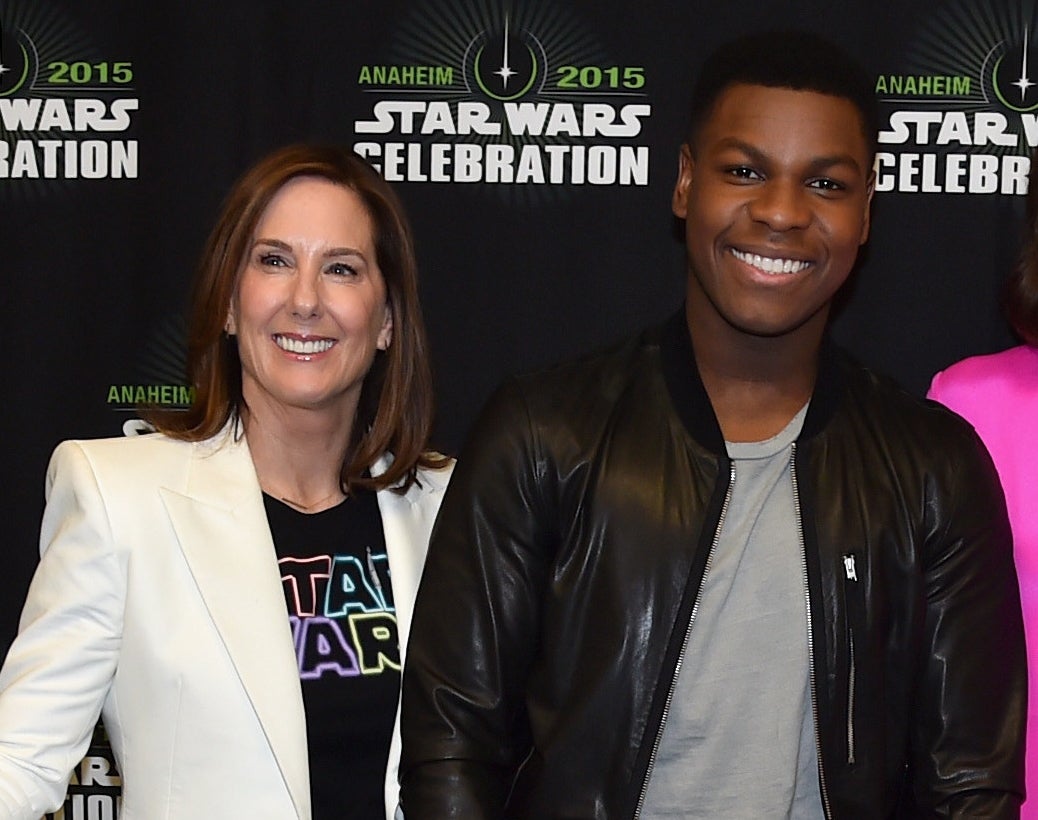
x=272, y=260
x=341, y=269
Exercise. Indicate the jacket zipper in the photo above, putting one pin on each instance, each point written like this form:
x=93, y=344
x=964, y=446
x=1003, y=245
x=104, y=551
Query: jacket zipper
x=684, y=645
x=852, y=575
x=826, y=807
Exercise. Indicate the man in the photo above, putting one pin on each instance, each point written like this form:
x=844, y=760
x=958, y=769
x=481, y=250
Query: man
x=721, y=571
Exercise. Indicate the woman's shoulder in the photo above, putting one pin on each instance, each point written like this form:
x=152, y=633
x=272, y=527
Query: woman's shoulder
x=988, y=377
x=145, y=454
x=145, y=443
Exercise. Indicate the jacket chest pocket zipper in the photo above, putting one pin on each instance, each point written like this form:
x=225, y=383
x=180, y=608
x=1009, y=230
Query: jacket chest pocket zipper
x=851, y=582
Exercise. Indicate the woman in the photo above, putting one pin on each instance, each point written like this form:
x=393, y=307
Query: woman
x=299, y=476
x=998, y=394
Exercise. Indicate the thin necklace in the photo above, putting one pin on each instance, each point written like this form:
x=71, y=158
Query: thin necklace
x=308, y=507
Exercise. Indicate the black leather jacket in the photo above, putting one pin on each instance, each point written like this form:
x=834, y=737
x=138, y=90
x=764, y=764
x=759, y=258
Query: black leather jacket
x=566, y=563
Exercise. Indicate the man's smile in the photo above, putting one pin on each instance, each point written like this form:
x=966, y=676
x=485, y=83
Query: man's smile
x=770, y=264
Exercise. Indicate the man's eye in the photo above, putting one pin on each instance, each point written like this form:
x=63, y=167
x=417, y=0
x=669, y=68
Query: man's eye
x=743, y=172
x=826, y=184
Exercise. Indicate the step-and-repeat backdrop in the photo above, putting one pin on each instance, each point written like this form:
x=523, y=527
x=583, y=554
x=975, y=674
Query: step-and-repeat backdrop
x=540, y=195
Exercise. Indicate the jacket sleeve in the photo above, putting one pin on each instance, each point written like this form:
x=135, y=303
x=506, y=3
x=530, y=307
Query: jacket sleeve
x=969, y=733
x=59, y=667
x=476, y=624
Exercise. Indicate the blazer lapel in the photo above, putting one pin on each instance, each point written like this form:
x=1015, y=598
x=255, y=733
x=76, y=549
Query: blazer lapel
x=222, y=528
x=407, y=521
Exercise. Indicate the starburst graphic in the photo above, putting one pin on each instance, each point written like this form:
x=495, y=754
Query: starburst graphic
x=505, y=72
x=1024, y=82
x=12, y=49
x=31, y=37
x=453, y=32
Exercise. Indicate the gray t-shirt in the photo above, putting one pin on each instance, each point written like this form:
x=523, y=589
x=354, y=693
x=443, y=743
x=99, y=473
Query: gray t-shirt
x=739, y=741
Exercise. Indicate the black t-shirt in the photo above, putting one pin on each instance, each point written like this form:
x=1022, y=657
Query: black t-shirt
x=335, y=575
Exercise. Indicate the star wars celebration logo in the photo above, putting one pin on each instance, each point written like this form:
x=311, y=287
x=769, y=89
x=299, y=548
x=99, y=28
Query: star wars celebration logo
x=964, y=118
x=66, y=111
x=514, y=96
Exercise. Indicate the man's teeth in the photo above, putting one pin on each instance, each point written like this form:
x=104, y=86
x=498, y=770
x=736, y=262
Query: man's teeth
x=308, y=347
x=769, y=265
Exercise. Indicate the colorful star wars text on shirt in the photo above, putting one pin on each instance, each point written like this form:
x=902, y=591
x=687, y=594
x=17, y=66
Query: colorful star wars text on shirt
x=341, y=620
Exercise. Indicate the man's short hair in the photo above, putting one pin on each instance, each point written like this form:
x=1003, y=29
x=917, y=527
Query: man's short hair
x=797, y=60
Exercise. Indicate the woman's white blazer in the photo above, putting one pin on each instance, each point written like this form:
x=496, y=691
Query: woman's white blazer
x=158, y=603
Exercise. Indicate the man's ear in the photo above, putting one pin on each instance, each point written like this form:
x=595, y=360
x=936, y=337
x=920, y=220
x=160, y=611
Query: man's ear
x=679, y=202
x=867, y=221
